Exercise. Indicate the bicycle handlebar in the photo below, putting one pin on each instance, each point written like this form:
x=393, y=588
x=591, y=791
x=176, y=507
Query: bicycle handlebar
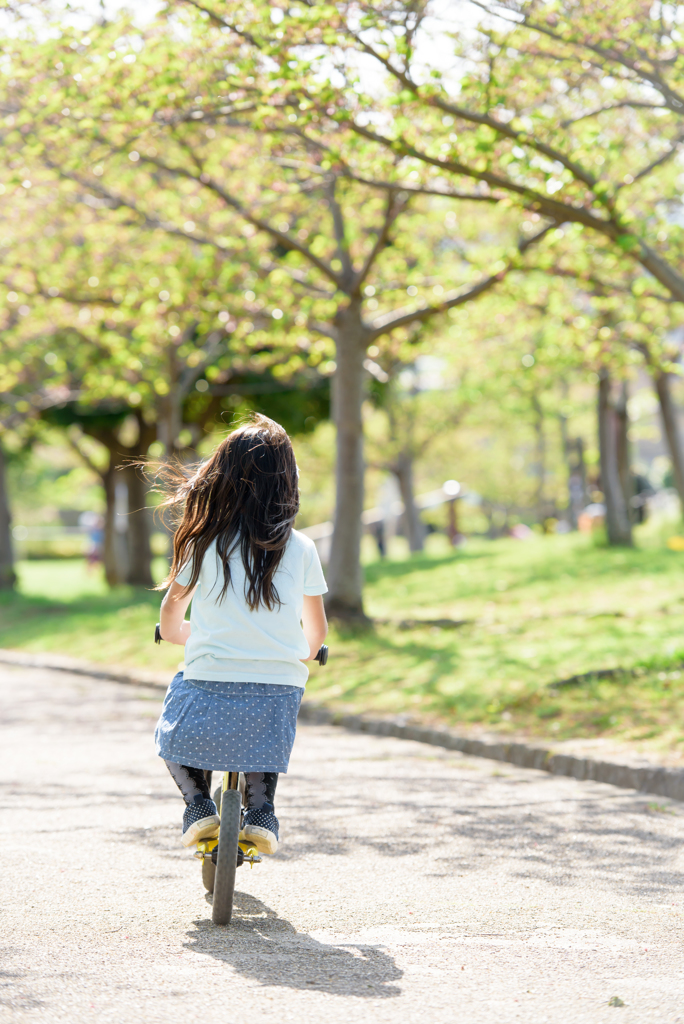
x=322, y=656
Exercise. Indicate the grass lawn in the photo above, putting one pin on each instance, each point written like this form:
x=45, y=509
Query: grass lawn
x=522, y=616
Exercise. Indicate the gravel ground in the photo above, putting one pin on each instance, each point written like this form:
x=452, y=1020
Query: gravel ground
x=412, y=885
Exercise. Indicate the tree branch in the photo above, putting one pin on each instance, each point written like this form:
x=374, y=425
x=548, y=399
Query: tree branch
x=289, y=243
x=150, y=222
x=632, y=104
x=552, y=208
x=326, y=330
x=340, y=238
x=420, y=315
x=502, y=128
x=556, y=211
x=413, y=190
x=218, y=20
x=673, y=101
x=393, y=209
x=659, y=160
x=82, y=455
x=601, y=287
x=299, y=278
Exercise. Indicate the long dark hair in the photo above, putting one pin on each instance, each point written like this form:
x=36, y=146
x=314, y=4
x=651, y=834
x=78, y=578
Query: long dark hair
x=245, y=494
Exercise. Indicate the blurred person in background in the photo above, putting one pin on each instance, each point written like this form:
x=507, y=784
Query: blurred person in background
x=95, y=525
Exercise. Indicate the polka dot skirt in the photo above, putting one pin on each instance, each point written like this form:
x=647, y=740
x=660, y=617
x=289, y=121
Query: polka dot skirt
x=228, y=727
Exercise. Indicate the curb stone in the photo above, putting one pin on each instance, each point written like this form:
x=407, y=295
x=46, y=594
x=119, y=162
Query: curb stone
x=62, y=663
x=661, y=781
x=666, y=782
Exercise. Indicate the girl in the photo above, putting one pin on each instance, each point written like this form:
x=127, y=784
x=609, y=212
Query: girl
x=256, y=587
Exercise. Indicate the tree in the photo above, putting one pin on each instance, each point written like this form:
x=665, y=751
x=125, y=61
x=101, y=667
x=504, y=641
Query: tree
x=418, y=399
x=131, y=333
x=589, y=340
x=568, y=112
x=574, y=113
x=7, y=574
x=629, y=316
x=553, y=145
x=160, y=122
x=25, y=390
x=561, y=325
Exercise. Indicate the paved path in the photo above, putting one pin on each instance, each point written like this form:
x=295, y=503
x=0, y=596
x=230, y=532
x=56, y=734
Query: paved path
x=413, y=885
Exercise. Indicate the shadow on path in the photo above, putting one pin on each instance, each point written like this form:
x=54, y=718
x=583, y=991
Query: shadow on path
x=615, y=838
x=260, y=945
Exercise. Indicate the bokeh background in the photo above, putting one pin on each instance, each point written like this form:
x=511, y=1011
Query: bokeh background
x=442, y=244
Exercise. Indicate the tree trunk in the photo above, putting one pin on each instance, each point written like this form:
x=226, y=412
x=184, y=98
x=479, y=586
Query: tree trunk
x=127, y=554
x=415, y=531
x=113, y=557
x=170, y=421
x=344, y=599
x=573, y=451
x=114, y=563
x=139, y=516
x=566, y=445
x=7, y=575
x=668, y=415
x=582, y=471
x=139, y=551
x=541, y=459
x=453, y=532
x=623, y=460
x=577, y=479
x=618, y=525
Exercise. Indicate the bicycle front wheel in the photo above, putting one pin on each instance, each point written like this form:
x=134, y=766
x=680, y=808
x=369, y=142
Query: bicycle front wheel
x=226, y=862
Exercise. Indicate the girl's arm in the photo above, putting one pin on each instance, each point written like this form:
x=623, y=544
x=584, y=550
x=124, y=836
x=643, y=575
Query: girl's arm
x=315, y=624
x=172, y=623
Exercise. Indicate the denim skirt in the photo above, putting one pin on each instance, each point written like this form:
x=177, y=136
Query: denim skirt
x=228, y=727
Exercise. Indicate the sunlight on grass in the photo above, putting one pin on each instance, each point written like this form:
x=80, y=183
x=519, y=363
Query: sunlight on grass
x=69, y=579
x=474, y=636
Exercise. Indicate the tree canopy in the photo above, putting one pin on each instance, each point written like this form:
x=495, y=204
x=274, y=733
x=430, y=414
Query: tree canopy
x=228, y=196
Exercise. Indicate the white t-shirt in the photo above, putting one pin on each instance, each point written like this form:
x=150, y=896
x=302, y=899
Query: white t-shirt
x=230, y=643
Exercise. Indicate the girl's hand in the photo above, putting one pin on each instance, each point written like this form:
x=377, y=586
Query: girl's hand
x=172, y=623
x=315, y=624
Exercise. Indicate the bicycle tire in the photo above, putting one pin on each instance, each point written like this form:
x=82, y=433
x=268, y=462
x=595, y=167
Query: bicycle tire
x=241, y=789
x=208, y=874
x=226, y=861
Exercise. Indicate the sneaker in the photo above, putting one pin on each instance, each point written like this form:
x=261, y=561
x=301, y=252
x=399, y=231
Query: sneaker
x=200, y=821
x=261, y=828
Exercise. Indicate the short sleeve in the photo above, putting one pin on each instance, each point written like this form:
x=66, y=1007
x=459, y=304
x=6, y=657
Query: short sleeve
x=314, y=580
x=185, y=575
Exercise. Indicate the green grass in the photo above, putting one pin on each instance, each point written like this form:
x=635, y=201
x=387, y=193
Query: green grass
x=535, y=612
x=62, y=606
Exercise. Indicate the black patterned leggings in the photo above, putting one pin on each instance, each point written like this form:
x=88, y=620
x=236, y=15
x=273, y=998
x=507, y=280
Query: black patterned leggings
x=195, y=785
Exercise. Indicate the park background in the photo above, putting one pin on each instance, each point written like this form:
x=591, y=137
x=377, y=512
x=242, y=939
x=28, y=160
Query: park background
x=442, y=244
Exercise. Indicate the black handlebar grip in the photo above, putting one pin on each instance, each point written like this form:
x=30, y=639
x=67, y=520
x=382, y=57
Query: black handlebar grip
x=322, y=656
x=157, y=634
